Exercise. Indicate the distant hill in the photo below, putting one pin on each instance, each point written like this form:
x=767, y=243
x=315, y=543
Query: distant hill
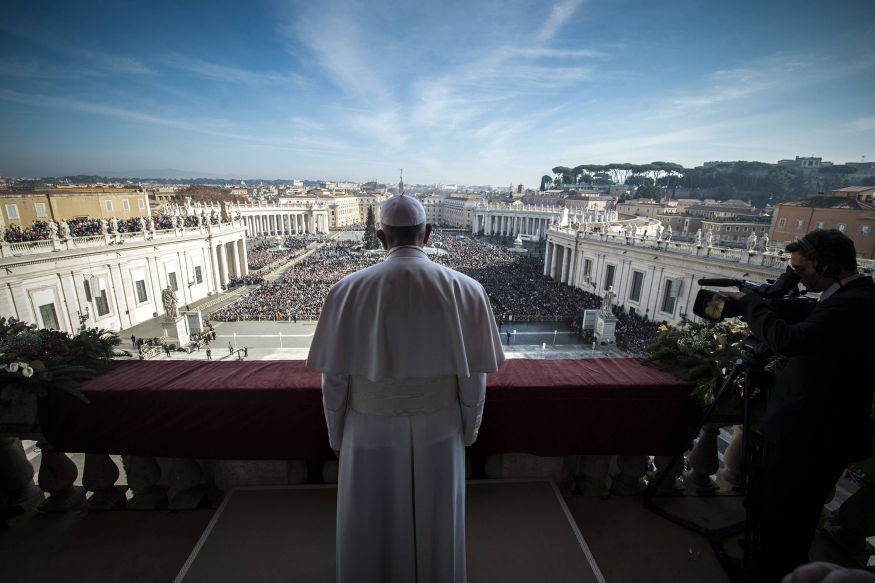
x=167, y=173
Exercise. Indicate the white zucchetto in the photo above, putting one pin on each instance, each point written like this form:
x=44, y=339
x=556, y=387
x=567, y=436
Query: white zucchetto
x=402, y=211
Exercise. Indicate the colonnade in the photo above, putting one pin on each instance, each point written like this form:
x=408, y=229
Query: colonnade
x=229, y=260
x=512, y=224
x=284, y=223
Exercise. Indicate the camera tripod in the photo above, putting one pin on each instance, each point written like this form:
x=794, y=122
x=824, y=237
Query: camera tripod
x=754, y=357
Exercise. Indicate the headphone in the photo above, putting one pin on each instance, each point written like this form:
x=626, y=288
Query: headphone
x=824, y=266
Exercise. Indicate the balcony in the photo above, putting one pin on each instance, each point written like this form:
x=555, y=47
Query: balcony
x=185, y=433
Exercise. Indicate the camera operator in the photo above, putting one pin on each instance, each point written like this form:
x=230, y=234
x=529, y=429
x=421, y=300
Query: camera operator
x=817, y=417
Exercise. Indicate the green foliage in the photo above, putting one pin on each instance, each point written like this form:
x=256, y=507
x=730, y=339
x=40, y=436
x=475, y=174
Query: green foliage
x=703, y=353
x=40, y=361
x=370, y=237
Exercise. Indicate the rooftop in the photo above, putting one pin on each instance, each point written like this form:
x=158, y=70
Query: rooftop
x=830, y=202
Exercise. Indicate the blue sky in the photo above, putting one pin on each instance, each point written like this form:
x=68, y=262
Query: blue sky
x=467, y=91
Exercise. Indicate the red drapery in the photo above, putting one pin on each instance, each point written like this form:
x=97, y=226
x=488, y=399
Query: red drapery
x=273, y=410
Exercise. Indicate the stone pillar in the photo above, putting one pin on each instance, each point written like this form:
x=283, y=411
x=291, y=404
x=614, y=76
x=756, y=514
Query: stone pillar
x=99, y=477
x=223, y=264
x=244, y=259
x=143, y=474
x=214, y=260
x=672, y=484
x=566, y=256
x=235, y=259
x=593, y=471
x=629, y=480
x=704, y=463
x=557, y=252
x=16, y=476
x=548, y=257
x=57, y=473
x=732, y=462
x=185, y=480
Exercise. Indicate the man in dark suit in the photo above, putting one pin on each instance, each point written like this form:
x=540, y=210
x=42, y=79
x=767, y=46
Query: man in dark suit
x=817, y=418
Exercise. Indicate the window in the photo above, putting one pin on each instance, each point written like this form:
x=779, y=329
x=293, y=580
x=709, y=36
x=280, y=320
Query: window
x=737, y=228
x=609, y=276
x=798, y=224
x=679, y=220
x=49, y=316
x=126, y=205
x=108, y=205
x=637, y=284
x=141, y=291
x=669, y=296
x=198, y=274
x=782, y=222
x=745, y=229
x=843, y=228
x=864, y=230
x=40, y=209
x=171, y=278
x=141, y=203
x=819, y=225
x=12, y=211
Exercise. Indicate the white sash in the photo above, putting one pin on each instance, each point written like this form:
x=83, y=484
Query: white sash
x=415, y=396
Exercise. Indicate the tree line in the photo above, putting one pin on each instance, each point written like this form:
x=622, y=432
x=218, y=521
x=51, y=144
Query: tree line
x=757, y=182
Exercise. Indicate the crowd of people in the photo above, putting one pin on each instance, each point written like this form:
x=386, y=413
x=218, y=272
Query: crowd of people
x=302, y=291
x=515, y=283
x=266, y=252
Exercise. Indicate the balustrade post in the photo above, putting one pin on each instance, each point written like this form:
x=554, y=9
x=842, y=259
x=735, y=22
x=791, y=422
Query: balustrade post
x=185, y=480
x=629, y=481
x=16, y=476
x=857, y=517
x=704, y=463
x=143, y=474
x=57, y=473
x=99, y=477
x=732, y=462
x=672, y=484
x=593, y=470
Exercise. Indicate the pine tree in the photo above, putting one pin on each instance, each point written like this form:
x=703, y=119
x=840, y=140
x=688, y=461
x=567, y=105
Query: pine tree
x=370, y=239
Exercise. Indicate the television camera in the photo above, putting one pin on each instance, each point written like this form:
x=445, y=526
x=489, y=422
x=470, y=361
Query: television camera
x=782, y=295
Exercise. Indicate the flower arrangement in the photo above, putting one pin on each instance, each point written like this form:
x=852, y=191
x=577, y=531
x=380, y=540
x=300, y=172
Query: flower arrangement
x=35, y=362
x=701, y=352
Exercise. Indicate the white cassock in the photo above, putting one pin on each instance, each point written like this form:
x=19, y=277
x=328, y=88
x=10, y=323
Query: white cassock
x=404, y=347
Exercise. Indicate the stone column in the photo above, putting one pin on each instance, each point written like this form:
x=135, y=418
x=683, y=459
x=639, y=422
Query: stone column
x=16, y=476
x=592, y=472
x=732, y=462
x=57, y=473
x=566, y=256
x=143, y=474
x=704, y=463
x=214, y=263
x=244, y=259
x=548, y=257
x=99, y=477
x=223, y=264
x=185, y=480
x=557, y=252
x=235, y=259
x=630, y=479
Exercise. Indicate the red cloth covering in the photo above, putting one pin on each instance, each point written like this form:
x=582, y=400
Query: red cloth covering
x=273, y=410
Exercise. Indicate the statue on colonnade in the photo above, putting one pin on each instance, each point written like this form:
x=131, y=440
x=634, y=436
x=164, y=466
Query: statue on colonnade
x=752, y=242
x=709, y=237
x=698, y=237
x=607, y=301
x=53, y=228
x=170, y=301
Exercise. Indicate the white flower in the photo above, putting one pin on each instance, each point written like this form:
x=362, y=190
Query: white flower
x=26, y=370
x=12, y=367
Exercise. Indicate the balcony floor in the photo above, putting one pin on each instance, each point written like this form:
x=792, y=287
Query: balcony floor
x=629, y=543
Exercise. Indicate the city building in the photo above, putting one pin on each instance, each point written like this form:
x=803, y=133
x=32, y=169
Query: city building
x=848, y=214
x=56, y=204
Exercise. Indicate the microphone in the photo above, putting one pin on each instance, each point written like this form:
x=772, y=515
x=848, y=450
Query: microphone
x=721, y=282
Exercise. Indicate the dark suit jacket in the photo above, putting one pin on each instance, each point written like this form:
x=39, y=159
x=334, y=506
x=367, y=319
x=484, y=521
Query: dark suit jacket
x=824, y=393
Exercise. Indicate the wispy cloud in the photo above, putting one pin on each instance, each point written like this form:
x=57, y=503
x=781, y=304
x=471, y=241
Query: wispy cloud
x=231, y=74
x=559, y=15
x=862, y=124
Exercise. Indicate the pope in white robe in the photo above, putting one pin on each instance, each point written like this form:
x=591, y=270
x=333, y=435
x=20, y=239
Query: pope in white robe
x=404, y=347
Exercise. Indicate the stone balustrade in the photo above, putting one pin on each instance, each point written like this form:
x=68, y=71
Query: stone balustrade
x=186, y=484
x=75, y=243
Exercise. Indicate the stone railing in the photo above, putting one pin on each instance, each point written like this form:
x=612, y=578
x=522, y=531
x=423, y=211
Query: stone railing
x=733, y=254
x=73, y=243
x=198, y=484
